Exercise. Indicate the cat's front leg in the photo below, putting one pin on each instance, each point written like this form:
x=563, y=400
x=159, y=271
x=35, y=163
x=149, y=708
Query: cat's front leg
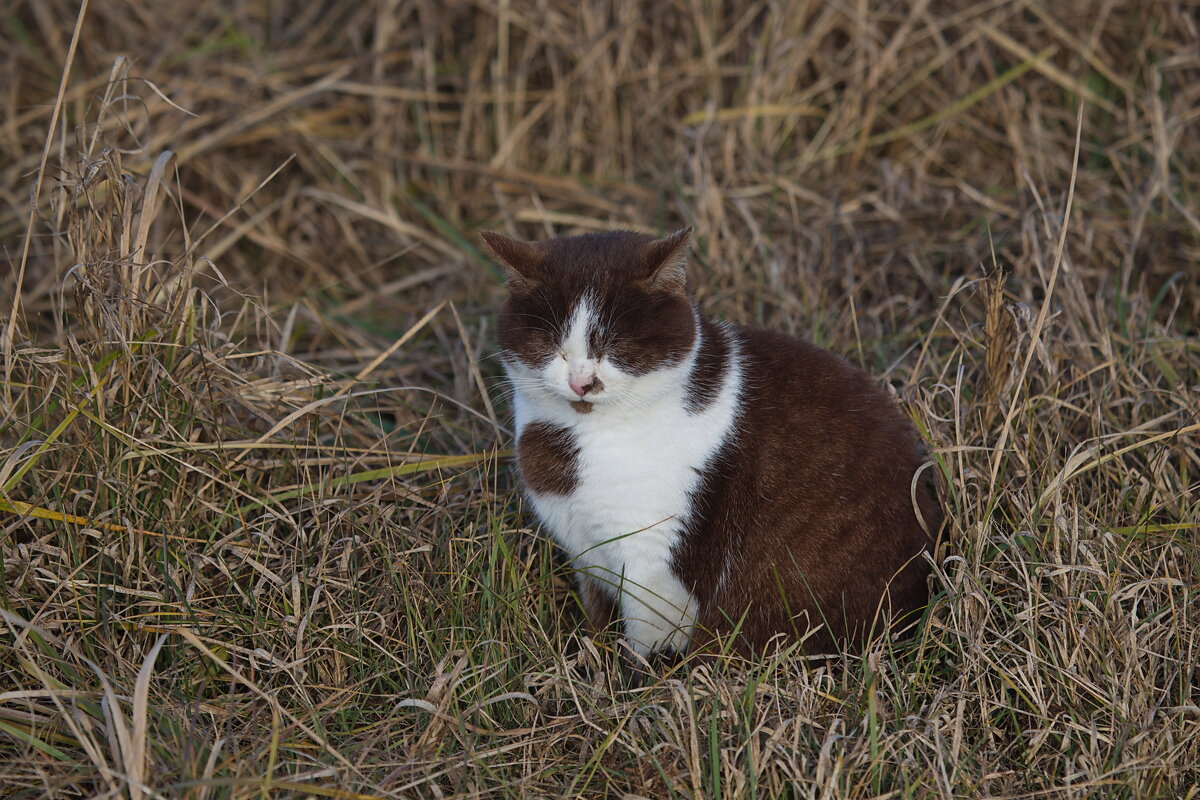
x=659, y=612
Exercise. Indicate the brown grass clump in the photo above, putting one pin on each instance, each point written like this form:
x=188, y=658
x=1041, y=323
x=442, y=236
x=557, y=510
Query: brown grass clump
x=260, y=537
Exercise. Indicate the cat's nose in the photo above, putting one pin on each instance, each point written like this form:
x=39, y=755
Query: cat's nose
x=583, y=379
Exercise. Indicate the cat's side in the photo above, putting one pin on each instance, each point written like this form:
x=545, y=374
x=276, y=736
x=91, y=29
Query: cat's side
x=704, y=476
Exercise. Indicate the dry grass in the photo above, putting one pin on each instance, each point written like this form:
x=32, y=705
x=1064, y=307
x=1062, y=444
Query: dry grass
x=259, y=535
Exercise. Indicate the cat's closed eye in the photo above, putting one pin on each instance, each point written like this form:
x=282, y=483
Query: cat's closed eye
x=599, y=342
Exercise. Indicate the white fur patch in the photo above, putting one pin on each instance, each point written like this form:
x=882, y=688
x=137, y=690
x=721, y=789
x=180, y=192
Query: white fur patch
x=641, y=455
x=575, y=345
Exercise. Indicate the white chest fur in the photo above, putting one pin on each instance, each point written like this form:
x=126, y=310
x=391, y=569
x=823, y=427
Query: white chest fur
x=639, y=461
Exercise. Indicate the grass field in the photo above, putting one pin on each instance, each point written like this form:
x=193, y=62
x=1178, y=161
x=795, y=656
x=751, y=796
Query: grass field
x=261, y=536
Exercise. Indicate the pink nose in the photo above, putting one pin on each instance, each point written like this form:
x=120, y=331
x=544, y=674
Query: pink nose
x=582, y=386
x=584, y=380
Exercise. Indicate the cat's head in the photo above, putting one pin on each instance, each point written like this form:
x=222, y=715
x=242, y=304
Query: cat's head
x=590, y=317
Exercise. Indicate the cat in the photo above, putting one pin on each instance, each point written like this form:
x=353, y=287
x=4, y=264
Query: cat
x=704, y=478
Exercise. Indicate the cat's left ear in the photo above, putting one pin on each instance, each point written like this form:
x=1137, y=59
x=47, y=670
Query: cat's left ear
x=667, y=260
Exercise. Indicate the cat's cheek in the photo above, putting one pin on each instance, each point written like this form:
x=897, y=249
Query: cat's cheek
x=526, y=380
x=614, y=379
x=554, y=376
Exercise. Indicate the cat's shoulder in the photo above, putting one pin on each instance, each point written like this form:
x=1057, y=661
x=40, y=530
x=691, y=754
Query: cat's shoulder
x=791, y=380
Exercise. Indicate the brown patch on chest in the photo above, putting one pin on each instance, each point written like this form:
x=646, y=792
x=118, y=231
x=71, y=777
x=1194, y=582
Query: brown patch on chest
x=547, y=455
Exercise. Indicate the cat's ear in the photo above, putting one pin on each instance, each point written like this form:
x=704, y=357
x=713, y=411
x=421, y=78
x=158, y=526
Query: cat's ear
x=667, y=260
x=519, y=260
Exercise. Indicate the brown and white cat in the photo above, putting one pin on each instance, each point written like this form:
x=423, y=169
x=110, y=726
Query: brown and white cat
x=704, y=476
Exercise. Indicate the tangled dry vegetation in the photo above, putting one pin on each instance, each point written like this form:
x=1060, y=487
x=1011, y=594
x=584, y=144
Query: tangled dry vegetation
x=260, y=536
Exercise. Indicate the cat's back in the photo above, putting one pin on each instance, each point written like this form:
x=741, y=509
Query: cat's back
x=803, y=399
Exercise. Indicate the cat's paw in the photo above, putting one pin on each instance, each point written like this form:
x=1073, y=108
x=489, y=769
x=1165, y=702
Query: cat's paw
x=638, y=671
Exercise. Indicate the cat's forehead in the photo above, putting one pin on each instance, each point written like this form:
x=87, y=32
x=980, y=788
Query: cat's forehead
x=605, y=244
x=596, y=261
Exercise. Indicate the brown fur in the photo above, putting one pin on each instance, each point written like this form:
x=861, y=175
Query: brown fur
x=546, y=455
x=598, y=603
x=813, y=500
x=712, y=362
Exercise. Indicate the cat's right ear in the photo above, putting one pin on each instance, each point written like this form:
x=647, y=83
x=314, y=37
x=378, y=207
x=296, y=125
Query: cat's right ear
x=667, y=259
x=519, y=260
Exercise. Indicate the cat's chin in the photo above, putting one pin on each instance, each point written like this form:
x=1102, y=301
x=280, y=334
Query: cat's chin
x=586, y=405
x=577, y=404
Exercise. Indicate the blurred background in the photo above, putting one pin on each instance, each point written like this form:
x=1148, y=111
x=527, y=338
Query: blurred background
x=823, y=150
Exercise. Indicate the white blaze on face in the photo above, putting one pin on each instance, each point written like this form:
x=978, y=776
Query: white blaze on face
x=581, y=368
